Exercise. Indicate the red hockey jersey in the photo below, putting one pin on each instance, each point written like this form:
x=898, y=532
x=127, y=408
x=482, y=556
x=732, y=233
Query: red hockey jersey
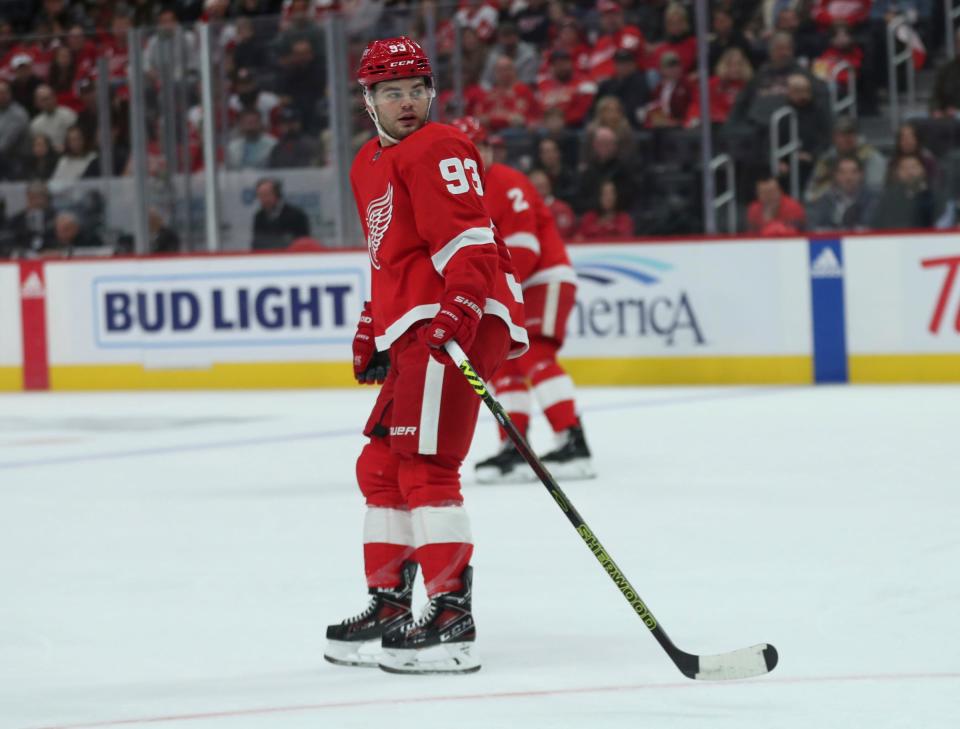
x=421, y=206
x=527, y=227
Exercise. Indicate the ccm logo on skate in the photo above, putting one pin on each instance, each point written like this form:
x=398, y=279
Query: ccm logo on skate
x=456, y=631
x=403, y=430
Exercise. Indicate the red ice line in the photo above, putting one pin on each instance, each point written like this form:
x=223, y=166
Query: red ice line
x=501, y=695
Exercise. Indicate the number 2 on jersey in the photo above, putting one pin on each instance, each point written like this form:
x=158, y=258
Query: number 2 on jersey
x=454, y=171
x=519, y=204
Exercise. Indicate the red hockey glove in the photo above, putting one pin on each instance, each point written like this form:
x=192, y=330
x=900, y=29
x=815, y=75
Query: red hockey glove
x=369, y=366
x=458, y=319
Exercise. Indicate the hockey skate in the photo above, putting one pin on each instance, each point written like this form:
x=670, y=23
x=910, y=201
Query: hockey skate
x=356, y=641
x=507, y=466
x=440, y=641
x=571, y=459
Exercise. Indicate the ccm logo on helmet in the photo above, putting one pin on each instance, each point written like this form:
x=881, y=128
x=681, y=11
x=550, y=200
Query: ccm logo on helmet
x=394, y=64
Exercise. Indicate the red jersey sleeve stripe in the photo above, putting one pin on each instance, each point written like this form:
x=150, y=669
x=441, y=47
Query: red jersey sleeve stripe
x=523, y=240
x=469, y=237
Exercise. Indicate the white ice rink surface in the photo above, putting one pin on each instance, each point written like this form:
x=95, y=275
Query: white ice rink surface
x=172, y=560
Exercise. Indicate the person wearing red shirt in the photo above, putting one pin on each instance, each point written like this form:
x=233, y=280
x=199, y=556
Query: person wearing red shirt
x=563, y=215
x=851, y=12
x=672, y=96
x=439, y=273
x=569, y=39
x=616, y=34
x=733, y=72
x=842, y=48
x=549, y=291
x=679, y=39
x=567, y=90
x=508, y=103
x=607, y=221
x=773, y=212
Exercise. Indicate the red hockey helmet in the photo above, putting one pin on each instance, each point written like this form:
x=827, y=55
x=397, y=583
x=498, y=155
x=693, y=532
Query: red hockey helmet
x=392, y=58
x=471, y=126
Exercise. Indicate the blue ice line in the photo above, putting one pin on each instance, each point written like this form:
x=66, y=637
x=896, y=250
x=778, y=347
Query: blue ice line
x=311, y=435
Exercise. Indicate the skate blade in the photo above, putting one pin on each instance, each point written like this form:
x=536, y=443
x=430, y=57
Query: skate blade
x=363, y=654
x=579, y=469
x=443, y=658
x=493, y=475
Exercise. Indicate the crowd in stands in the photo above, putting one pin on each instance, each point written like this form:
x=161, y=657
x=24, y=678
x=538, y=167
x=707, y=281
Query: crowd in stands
x=598, y=100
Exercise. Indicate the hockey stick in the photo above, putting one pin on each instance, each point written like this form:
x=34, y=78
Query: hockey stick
x=743, y=663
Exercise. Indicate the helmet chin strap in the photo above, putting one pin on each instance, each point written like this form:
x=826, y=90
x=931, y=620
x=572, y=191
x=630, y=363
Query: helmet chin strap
x=372, y=111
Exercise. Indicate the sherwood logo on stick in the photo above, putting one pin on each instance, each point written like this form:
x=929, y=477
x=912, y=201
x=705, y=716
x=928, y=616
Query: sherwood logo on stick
x=618, y=578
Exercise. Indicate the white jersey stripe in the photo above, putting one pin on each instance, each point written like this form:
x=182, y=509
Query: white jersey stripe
x=430, y=408
x=387, y=526
x=523, y=240
x=555, y=390
x=469, y=237
x=441, y=525
x=515, y=401
x=393, y=332
x=562, y=273
x=550, y=305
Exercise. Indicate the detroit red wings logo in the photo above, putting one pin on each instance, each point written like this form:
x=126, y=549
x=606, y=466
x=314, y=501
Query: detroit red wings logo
x=379, y=214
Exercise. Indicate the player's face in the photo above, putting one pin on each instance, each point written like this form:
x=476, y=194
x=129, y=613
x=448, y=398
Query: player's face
x=402, y=105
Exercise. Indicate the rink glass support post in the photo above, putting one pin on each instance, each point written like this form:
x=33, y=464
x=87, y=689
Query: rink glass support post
x=828, y=312
x=211, y=184
x=138, y=141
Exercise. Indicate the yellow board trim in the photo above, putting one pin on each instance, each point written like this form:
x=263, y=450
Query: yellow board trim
x=792, y=370
x=11, y=379
x=877, y=368
x=223, y=376
x=782, y=370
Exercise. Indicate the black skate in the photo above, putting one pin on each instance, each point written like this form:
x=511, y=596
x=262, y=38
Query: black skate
x=571, y=459
x=356, y=641
x=440, y=641
x=507, y=466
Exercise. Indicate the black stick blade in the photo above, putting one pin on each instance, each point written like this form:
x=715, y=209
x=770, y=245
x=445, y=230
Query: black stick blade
x=744, y=663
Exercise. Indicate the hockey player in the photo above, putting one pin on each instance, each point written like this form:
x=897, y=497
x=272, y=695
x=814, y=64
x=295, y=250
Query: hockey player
x=549, y=290
x=439, y=273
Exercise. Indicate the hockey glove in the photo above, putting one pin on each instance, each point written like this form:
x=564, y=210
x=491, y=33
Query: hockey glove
x=458, y=319
x=369, y=365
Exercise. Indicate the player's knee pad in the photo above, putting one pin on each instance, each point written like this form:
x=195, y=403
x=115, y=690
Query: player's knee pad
x=377, y=475
x=430, y=480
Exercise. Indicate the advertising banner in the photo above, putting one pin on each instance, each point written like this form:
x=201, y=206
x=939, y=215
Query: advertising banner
x=903, y=307
x=11, y=337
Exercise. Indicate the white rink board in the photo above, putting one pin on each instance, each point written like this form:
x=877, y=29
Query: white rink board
x=892, y=298
x=287, y=308
x=691, y=299
x=11, y=341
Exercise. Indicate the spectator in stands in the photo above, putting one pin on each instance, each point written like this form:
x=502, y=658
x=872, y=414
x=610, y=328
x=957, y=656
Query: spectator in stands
x=250, y=50
x=563, y=180
x=31, y=229
x=848, y=204
x=614, y=34
x=523, y=55
x=567, y=90
x=563, y=214
x=88, y=112
x=55, y=16
x=78, y=161
x=479, y=15
x=907, y=200
x=163, y=239
x=808, y=40
x=774, y=212
x=69, y=236
x=532, y=19
x=846, y=142
x=671, y=97
x=62, y=76
x=165, y=45
x=678, y=40
x=606, y=220
x=298, y=24
x=554, y=127
x=945, y=99
x=908, y=143
x=303, y=83
x=506, y=104
x=607, y=163
x=250, y=150
x=813, y=123
x=609, y=114
x=733, y=72
x=474, y=57
x=25, y=82
x=726, y=35
x=84, y=49
x=14, y=123
x=293, y=147
x=247, y=94
x=277, y=223
x=570, y=39
x=842, y=49
x=52, y=119
x=38, y=162
x=767, y=90
x=629, y=84
x=827, y=13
